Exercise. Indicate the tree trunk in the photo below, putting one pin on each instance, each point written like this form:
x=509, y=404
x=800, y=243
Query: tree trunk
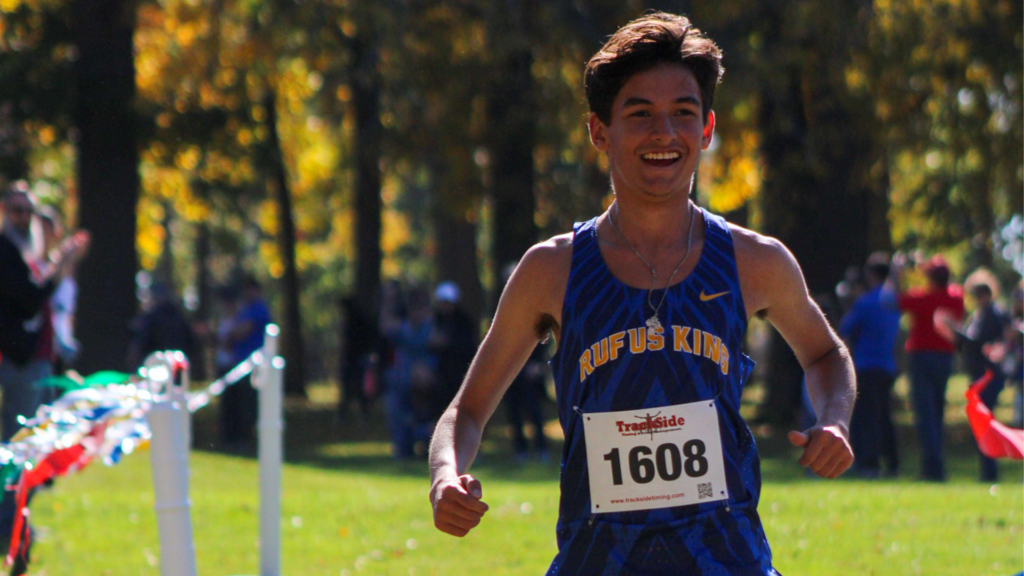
x=879, y=236
x=511, y=116
x=201, y=366
x=819, y=146
x=456, y=256
x=783, y=133
x=13, y=148
x=366, y=87
x=295, y=374
x=108, y=179
x=204, y=287
x=165, y=265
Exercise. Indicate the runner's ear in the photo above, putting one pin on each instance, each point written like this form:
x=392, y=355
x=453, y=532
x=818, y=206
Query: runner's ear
x=598, y=133
x=709, y=131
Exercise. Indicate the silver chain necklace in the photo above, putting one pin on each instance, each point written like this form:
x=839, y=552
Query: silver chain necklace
x=653, y=323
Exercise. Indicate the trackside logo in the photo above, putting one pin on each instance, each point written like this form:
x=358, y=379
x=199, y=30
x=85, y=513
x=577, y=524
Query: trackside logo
x=650, y=424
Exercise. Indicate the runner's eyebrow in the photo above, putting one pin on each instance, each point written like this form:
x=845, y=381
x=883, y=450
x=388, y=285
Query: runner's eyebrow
x=637, y=101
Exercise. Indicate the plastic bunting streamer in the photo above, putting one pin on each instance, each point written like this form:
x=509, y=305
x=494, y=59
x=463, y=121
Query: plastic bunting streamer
x=197, y=400
x=101, y=416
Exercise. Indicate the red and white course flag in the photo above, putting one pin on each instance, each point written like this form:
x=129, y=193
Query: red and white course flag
x=995, y=439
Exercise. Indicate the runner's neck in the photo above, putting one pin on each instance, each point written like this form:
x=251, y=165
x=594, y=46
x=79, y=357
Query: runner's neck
x=653, y=230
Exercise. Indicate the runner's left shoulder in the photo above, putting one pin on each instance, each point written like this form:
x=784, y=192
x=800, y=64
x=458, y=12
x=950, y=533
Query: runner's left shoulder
x=764, y=265
x=757, y=253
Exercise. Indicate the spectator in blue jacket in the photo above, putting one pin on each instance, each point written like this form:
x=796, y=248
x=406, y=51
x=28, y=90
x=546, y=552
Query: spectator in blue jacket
x=239, y=403
x=870, y=329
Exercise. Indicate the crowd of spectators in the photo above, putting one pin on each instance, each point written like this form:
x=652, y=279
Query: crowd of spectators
x=428, y=344
x=938, y=331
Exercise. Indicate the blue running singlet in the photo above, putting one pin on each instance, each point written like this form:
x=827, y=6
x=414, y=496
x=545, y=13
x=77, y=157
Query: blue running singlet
x=698, y=357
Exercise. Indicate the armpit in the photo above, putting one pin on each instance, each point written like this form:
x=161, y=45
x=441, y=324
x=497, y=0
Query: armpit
x=545, y=327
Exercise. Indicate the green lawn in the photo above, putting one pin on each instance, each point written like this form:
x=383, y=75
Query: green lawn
x=347, y=509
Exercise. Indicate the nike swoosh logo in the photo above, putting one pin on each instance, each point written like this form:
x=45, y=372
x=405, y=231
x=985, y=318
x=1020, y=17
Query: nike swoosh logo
x=707, y=297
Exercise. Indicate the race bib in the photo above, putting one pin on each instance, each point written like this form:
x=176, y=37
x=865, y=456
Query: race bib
x=654, y=458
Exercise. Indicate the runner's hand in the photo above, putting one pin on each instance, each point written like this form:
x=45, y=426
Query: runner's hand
x=457, y=505
x=827, y=449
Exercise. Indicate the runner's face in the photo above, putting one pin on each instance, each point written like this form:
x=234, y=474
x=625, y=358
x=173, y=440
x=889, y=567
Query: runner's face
x=656, y=134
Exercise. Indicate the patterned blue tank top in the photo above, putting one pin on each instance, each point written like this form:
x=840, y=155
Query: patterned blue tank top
x=705, y=313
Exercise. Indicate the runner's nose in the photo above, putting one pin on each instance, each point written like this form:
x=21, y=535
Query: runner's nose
x=662, y=129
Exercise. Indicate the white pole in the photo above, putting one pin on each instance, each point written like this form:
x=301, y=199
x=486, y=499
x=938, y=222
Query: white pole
x=271, y=376
x=169, y=459
x=179, y=394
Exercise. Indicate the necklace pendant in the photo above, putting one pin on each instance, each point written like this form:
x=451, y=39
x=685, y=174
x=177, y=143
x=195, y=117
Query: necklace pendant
x=654, y=324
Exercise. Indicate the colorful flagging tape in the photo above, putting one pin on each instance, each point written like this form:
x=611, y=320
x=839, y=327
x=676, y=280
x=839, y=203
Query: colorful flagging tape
x=995, y=439
x=101, y=416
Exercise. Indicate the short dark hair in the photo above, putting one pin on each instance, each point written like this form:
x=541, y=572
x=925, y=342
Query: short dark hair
x=646, y=43
x=981, y=290
x=18, y=188
x=249, y=282
x=878, y=265
x=936, y=270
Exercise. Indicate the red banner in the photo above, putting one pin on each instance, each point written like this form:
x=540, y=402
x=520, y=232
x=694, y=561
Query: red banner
x=995, y=439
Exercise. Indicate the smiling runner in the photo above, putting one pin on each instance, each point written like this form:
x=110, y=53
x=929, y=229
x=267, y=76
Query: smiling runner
x=649, y=303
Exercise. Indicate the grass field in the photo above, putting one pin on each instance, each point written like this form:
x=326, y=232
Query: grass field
x=348, y=508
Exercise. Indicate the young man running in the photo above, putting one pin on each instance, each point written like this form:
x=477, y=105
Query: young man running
x=649, y=303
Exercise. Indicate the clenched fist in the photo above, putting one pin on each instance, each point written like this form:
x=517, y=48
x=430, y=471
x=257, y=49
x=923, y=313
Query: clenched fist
x=827, y=450
x=457, y=504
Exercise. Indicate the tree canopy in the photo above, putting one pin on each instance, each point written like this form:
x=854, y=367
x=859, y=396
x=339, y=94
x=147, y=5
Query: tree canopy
x=342, y=142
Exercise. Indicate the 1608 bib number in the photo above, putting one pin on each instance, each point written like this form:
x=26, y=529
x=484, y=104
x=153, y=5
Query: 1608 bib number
x=672, y=458
x=667, y=462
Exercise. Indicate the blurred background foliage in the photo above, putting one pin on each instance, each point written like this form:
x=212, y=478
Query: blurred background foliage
x=329, y=145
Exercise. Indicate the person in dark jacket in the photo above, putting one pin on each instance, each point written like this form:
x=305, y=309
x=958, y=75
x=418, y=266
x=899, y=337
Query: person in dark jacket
x=239, y=403
x=359, y=357
x=28, y=278
x=163, y=326
x=523, y=402
x=453, y=343
x=984, y=327
x=27, y=281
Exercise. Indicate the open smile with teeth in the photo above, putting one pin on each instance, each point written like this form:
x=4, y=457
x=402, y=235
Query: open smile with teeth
x=660, y=158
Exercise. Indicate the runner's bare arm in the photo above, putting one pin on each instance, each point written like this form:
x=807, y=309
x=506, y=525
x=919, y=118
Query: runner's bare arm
x=773, y=287
x=530, y=307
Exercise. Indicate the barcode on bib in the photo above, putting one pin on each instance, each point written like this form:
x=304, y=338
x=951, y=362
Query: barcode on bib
x=704, y=491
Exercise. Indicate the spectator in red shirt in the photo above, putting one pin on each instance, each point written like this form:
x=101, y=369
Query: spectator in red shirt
x=930, y=356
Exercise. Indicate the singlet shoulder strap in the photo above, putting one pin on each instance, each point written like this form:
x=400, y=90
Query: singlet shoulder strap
x=582, y=230
x=719, y=253
x=717, y=227
x=584, y=243
x=718, y=237
x=586, y=255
